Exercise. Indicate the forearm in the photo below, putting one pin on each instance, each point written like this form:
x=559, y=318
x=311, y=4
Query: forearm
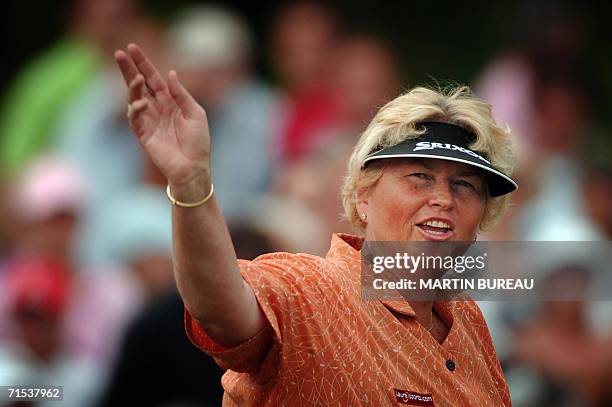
x=206, y=270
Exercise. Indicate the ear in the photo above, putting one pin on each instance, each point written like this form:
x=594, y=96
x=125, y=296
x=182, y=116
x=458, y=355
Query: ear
x=362, y=196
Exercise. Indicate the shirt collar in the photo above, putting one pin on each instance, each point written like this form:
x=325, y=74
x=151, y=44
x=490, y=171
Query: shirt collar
x=347, y=248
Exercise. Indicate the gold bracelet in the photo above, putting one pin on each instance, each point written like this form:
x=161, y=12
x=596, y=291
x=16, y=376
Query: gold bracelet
x=189, y=205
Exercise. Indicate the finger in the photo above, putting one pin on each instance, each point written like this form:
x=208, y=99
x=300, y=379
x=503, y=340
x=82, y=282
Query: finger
x=153, y=79
x=126, y=66
x=134, y=113
x=182, y=97
x=139, y=105
x=137, y=89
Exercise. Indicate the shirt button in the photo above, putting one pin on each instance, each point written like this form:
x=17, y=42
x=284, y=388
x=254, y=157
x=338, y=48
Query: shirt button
x=450, y=365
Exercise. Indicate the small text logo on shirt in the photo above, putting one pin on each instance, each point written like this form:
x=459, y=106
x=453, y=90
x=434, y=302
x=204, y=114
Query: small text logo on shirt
x=413, y=399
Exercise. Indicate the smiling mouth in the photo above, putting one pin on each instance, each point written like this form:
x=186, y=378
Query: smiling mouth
x=435, y=228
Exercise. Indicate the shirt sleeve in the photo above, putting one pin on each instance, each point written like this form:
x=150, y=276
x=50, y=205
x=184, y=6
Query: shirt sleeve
x=246, y=357
x=283, y=293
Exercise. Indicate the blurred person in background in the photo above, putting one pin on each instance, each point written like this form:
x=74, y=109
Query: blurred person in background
x=572, y=360
x=540, y=88
x=561, y=128
x=46, y=200
x=311, y=185
x=183, y=376
x=50, y=82
x=303, y=37
x=272, y=213
x=363, y=75
x=333, y=79
x=93, y=132
x=547, y=40
x=213, y=48
x=507, y=83
x=134, y=231
x=34, y=354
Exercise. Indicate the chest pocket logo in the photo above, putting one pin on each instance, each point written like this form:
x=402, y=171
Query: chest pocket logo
x=412, y=398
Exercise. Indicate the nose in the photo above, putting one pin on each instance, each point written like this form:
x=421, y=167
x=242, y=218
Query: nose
x=441, y=197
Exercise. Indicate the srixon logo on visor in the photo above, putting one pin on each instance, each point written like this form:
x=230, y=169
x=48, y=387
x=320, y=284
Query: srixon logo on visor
x=413, y=399
x=426, y=145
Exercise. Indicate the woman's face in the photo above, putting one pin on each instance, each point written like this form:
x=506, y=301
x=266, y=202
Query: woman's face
x=424, y=199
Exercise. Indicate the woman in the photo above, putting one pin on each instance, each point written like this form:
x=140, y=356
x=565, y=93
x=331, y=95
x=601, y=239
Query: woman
x=293, y=329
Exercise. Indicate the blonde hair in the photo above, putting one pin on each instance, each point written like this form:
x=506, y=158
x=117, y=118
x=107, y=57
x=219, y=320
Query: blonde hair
x=395, y=122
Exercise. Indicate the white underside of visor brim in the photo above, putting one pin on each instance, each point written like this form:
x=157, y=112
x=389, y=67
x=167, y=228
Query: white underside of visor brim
x=443, y=157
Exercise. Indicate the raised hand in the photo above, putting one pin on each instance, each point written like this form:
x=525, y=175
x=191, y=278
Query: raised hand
x=169, y=123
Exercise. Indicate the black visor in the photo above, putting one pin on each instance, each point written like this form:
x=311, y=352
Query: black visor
x=446, y=141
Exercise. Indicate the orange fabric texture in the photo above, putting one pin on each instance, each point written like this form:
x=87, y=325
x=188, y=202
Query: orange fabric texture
x=328, y=347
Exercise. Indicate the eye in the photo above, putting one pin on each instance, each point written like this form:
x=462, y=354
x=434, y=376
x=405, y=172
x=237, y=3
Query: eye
x=420, y=175
x=464, y=183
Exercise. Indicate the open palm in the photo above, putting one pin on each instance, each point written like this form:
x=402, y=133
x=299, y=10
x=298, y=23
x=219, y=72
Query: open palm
x=169, y=123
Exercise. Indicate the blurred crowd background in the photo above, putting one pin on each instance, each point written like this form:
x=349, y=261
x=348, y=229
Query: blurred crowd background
x=87, y=297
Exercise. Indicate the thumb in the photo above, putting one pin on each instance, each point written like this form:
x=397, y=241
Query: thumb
x=182, y=97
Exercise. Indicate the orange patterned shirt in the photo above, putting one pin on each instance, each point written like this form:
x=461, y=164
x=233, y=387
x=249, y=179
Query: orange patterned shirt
x=326, y=346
